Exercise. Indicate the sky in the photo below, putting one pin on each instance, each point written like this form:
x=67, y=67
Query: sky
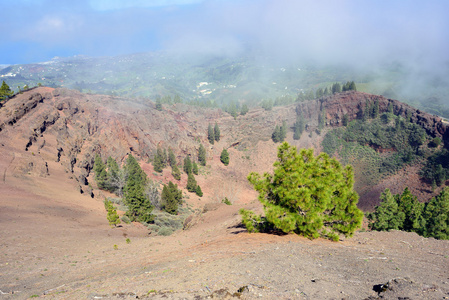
x=362, y=32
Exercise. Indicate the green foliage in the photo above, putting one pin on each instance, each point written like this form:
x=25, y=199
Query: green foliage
x=139, y=206
x=226, y=201
x=267, y=104
x=191, y=183
x=176, y=173
x=210, y=134
x=349, y=86
x=224, y=157
x=101, y=175
x=171, y=158
x=298, y=127
x=195, y=168
x=280, y=133
x=160, y=160
x=171, y=197
x=5, y=91
x=187, y=165
x=113, y=217
x=436, y=168
x=198, y=191
x=336, y=88
x=202, y=155
x=386, y=215
x=404, y=212
x=322, y=119
x=244, y=110
x=115, y=180
x=436, y=215
x=308, y=195
x=345, y=120
x=435, y=142
x=158, y=105
x=217, y=132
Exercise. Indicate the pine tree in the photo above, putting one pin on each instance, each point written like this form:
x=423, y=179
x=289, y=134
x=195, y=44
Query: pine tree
x=177, y=193
x=308, y=195
x=202, y=155
x=175, y=172
x=244, y=110
x=210, y=134
x=216, y=132
x=158, y=164
x=336, y=88
x=298, y=127
x=283, y=131
x=224, y=157
x=191, y=183
x=195, y=168
x=101, y=174
x=386, y=215
x=198, y=191
x=171, y=157
x=168, y=201
x=412, y=209
x=158, y=105
x=187, y=165
x=276, y=136
x=352, y=86
x=139, y=206
x=5, y=91
x=436, y=214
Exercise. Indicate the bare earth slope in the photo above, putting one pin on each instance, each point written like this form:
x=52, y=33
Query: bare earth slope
x=56, y=243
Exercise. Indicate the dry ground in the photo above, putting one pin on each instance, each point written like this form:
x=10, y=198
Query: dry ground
x=56, y=243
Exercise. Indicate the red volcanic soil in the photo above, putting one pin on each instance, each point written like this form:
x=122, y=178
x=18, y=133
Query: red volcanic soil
x=56, y=243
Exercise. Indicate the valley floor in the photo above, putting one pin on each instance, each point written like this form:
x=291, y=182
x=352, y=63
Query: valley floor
x=58, y=245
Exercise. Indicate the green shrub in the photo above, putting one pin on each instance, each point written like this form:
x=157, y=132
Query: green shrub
x=165, y=231
x=125, y=219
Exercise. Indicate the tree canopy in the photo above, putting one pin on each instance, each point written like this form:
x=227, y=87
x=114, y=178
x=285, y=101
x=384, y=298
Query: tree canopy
x=308, y=195
x=5, y=91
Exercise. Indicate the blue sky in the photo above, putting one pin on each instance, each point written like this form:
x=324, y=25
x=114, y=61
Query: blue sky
x=323, y=30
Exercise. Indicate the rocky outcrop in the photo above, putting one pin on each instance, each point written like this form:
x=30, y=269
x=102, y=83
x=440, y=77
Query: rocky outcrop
x=352, y=103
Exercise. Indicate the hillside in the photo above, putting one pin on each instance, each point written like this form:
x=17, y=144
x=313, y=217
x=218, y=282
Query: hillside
x=56, y=239
x=220, y=80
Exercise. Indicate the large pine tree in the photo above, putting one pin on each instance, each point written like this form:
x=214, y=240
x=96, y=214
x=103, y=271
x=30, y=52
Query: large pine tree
x=139, y=206
x=308, y=195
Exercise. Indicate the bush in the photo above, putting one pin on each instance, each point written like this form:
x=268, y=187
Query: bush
x=126, y=220
x=165, y=231
x=311, y=196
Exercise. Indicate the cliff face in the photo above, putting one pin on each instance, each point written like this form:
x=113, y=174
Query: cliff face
x=351, y=103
